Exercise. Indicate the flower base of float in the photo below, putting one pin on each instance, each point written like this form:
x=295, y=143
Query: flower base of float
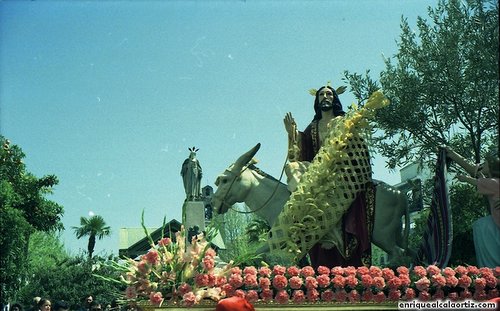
x=261, y=306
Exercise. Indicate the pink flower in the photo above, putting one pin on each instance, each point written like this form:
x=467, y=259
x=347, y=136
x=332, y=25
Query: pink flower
x=375, y=271
x=208, y=263
x=327, y=295
x=363, y=270
x=130, y=292
x=439, y=294
x=466, y=294
x=433, y=269
x=447, y=272
x=293, y=271
x=279, y=270
x=236, y=280
x=451, y=281
x=311, y=282
x=220, y=280
x=480, y=284
x=485, y=270
x=461, y=270
x=379, y=297
x=403, y=270
x=250, y=270
x=201, y=280
x=265, y=271
x=379, y=282
x=280, y=282
x=312, y=294
x=452, y=296
x=394, y=295
x=405, y=280
x=307, y=271
x=239, y=293
x=184, y=288
x=250, y=280
x=298, y=296
x=420, y=271
x=424, y=296
x=464, y=281
x=152, y=257
x=189, y=299
x=323, y=280
x=156, y=298
x=350, y=270
x=410, y=294
x=367, y=295
x=438, y=280
x=235, y=270
x=323, y=270
x=394, y=283
x=295, y=282
x=340, y=296
x=354, y=296
x=252, y=296
x=266, y=294
x=366, y=280
x=338, y=281
x=388, y=274
x=164, y=242
x=337, y=270
x=210, y=252
x=228, y=289
x=491, y=280
x=423, y=284
x=351, y=281
x=282, y=297
x=264, y=283
x=472, y=270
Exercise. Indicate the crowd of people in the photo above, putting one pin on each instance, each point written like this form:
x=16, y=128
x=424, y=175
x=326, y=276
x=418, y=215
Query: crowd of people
x=45, y=304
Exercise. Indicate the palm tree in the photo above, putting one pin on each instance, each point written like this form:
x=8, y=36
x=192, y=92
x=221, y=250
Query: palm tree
x=94, y=226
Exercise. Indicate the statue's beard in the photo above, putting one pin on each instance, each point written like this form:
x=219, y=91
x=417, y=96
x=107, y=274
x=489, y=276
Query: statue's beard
x=327, y=105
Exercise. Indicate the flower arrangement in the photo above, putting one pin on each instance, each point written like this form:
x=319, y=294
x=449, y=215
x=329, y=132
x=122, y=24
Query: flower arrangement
x=292, y=285
x=172, y=272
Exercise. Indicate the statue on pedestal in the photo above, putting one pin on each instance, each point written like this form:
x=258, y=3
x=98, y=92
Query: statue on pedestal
x=191, y=174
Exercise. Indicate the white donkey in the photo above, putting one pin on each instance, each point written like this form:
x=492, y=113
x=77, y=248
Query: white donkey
x=266, y=196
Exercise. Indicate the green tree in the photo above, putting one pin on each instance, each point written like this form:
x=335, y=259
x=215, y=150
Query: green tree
x=443, y=88
x=93, y=227
x=24, y=209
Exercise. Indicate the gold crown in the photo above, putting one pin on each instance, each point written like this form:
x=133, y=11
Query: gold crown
x=339, y=90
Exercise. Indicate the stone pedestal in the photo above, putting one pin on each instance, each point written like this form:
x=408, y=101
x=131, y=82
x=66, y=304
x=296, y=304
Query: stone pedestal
x=193, y=214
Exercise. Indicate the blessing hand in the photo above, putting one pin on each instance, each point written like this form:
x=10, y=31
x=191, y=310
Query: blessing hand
x=290, y=125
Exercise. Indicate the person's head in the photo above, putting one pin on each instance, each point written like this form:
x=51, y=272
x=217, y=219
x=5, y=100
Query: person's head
x=36, y=300
x=44, y=305
x=326, y=99
x=88, y=300
x=60, y=306
x=16, y=307
x=491, y=166
x=95, y=306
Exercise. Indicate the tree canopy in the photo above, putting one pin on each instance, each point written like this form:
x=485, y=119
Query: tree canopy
x=24, y=209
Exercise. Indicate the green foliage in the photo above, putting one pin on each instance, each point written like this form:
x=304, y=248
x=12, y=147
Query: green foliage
x=71, y=280
x=93, y=227
x=24, y=209
x=443, y=87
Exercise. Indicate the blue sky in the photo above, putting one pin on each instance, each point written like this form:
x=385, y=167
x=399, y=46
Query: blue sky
x=109, y=95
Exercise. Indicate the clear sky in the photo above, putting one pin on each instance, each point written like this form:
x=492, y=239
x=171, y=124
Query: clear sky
x=108, y=96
